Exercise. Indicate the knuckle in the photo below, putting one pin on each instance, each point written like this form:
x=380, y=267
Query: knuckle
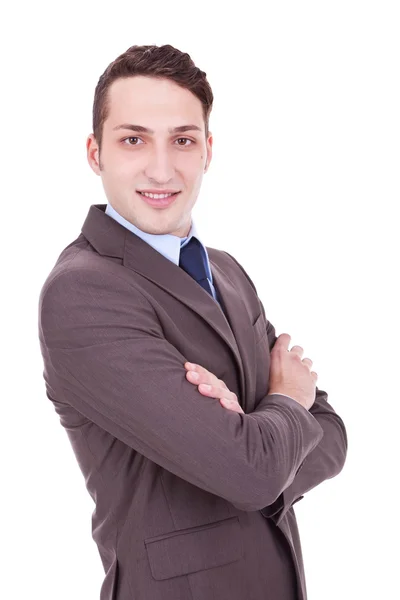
x=204, y=387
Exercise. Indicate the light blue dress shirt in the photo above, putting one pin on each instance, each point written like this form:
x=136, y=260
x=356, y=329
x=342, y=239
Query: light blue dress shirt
x=167, y=244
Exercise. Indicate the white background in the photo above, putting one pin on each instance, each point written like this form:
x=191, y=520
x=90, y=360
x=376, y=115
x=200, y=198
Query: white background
x=303, y=190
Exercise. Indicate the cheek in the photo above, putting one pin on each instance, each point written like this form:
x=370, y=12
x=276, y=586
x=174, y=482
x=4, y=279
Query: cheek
x=192, y=162
x=194, y=172
x=124, y=172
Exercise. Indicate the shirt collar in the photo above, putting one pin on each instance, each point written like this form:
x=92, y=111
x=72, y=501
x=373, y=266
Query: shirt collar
x=167, y=244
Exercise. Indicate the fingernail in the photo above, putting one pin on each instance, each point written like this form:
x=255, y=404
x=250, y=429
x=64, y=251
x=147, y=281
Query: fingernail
x=205, y=386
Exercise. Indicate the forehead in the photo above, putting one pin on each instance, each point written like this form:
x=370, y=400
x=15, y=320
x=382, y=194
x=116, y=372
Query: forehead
x=152, y=102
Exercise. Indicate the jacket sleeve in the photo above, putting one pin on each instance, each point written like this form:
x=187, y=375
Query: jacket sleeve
x=325, y=460
x=106, y=356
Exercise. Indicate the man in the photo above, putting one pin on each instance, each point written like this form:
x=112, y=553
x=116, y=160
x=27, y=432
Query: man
x=194, y=489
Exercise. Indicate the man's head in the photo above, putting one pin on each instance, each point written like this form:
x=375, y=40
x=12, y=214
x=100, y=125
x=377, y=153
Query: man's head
x=158, y=88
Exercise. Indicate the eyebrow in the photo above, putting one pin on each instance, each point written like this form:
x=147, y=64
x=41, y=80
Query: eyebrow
x=141, y=129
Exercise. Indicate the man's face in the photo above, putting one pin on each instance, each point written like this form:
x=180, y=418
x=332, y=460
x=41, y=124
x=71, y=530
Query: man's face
x=163, y=160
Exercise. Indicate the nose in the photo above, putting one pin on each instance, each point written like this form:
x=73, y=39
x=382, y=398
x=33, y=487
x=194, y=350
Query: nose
x=160, y=167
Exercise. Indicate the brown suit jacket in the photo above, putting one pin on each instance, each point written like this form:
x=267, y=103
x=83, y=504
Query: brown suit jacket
x=193, y=501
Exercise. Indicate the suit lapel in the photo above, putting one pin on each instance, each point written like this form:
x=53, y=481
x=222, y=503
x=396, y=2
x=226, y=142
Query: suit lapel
x=240, y=329
x=110, y=238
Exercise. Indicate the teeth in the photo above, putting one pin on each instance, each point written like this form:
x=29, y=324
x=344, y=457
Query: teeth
x=156, y=196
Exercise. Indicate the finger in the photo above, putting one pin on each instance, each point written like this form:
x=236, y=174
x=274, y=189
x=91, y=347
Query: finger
x=197, y=378
x=308, y=362
x=190, y=366
x=297, y=350
x=199, y=369
x=231, y=405
x=204, y=376
x=217, y=392
x=194, y=367
x=282, y=342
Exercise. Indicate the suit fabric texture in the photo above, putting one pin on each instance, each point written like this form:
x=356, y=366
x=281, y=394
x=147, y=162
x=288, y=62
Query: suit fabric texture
x=192, y=501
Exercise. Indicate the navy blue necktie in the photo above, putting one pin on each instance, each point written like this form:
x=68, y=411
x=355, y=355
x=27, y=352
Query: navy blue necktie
x=192, y=261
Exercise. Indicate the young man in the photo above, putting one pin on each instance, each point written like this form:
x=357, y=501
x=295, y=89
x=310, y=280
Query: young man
x=194, y=488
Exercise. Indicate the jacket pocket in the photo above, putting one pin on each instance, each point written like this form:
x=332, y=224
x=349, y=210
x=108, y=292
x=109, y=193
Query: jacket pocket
x=195, y=549
x=259, y=328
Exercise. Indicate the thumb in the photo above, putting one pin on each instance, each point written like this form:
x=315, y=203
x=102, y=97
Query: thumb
x=282, y=342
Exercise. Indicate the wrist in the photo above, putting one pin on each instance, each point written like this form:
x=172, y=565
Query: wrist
x=288, y=396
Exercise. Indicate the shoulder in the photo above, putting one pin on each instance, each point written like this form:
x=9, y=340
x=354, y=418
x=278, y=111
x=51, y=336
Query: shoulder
x=83, y=279
x=230, y=265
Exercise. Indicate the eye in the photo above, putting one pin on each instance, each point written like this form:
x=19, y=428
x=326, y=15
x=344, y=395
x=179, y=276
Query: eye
x=179, y=139
x=131, y=138
x=187, y=139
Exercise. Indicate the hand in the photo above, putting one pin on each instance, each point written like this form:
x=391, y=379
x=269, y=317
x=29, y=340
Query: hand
x=289, y=374
x=218, y=388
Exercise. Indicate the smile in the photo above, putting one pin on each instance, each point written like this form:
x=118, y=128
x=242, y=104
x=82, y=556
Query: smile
x=159, y=200
x=157, y=196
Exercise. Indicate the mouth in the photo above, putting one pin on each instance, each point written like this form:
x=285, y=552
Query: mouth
x=159, y=202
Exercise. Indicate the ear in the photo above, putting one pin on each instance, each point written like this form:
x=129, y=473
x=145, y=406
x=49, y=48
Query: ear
x=209, y=151
x=92, y=151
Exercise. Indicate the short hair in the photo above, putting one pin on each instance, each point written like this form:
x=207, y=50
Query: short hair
x=162, y=62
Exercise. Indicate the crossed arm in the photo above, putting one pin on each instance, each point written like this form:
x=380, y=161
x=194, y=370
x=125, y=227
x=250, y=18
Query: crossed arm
x=325, y=460
x=120, y=373
x=106, y=356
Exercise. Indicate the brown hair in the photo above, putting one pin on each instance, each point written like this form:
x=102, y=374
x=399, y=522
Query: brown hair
x=164, y=62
